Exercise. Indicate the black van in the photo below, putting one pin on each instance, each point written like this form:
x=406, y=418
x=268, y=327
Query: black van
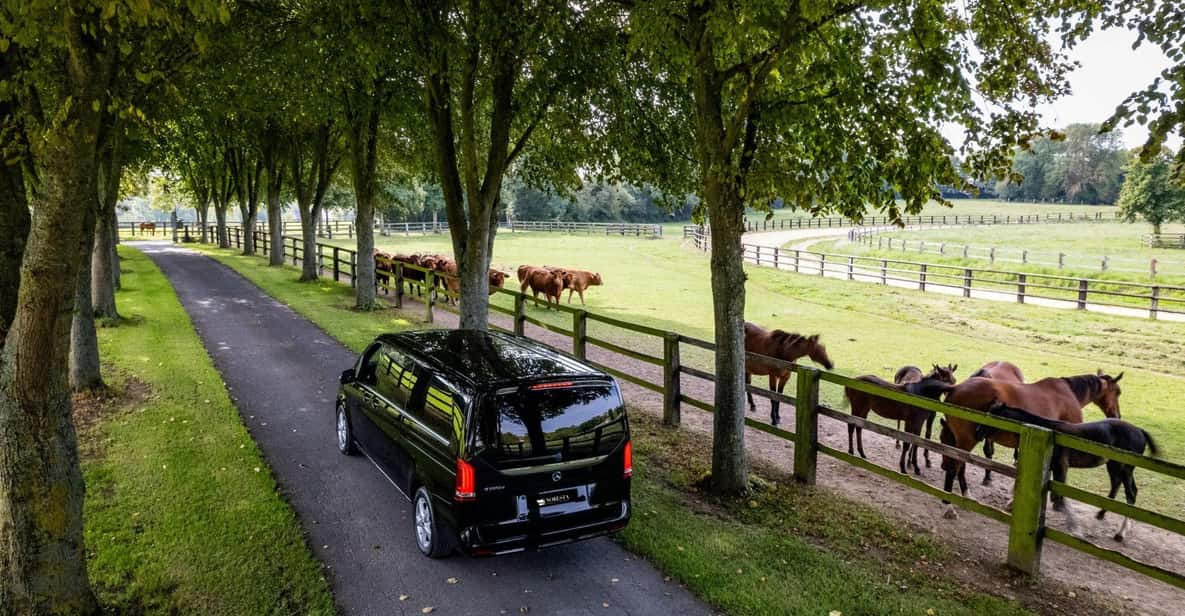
x=503, y=444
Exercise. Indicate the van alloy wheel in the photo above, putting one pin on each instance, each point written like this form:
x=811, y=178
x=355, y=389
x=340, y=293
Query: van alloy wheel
x=423, y=524
x=345, y=437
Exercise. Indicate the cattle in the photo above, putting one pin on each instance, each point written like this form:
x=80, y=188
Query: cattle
x=551, y=284
x=384, y=267
x=497, y=279
x=579, y=281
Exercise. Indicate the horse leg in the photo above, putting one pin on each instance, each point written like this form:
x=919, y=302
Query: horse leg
x=773, y=404
x=1113, y=473
x=989, y=449
x=915, y=428
x=860, y=442
x=948, y=484
x=851, y=431
x=1060, y=467
x=897, y=444
x=929, y=428
x=749, y=394
x=1129, y=493
x=904, y=456
x=963, y=478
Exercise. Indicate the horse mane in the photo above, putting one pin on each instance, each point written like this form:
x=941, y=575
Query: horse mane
x=781, y=337
x=980, y=372
x=929, y=387
x=1085, y=386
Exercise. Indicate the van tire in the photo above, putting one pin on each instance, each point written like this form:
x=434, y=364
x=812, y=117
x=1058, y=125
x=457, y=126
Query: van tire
x=344, y=431
x=431, y=536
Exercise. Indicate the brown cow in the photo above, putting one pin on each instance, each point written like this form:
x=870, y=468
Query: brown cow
x=550, y=284
x=582, y=280
x=497, y=280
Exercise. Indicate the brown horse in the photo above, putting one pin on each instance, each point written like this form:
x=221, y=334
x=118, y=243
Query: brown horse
x=1001, y=371
x=914, y=417
x=913, y=374
x=1060, y=399
x=778, y=345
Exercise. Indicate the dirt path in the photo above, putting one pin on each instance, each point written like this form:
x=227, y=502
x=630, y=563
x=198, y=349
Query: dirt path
x=873, y=275
x=980, y=543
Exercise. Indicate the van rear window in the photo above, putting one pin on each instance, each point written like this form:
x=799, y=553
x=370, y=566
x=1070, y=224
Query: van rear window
x=542, y=425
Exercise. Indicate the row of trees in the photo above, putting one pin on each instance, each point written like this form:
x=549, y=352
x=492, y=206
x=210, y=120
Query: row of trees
x=1076, y=165
x=831, y=106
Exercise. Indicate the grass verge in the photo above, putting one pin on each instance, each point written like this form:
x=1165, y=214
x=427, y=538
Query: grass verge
x=182, y=514
x=787, y=550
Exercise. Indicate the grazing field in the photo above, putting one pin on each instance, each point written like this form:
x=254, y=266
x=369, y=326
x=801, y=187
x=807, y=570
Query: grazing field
x=874, y=329
x=182, y=514
x=973, y=207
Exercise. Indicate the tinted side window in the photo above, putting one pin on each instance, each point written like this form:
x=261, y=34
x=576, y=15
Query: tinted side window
x=395, y=376
x=369, y=364
x=441, y=407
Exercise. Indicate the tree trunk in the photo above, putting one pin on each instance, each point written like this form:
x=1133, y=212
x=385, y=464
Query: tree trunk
x=364, y=152
x=100, y=263
x=42, y=556
x=220, y=222
x=309, y=267
x=203, y=216
x=729, y=468
x=113, y=246
x=1156, y=228
x=249, y=215
x=85, y=370
x=275, y=209
x=14, y=232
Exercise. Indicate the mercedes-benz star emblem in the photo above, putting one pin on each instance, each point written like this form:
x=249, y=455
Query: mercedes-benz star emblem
x=555, y=476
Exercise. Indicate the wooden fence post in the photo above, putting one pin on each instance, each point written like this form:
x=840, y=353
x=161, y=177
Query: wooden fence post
x=1024, y=256
x=1082, y=293
x=429, y=294
x=806, y=425
x=353, y=267
x=1061, y=260
x=1026, y=532
x=778, y=257
x=884, y=271
x=672, y=386
x=1020, y=288
x=1154, y=307
x=1152, y=265
x=336, y=268
x=520, y=313
x=822, y=264
x=580, y=334
x=851, y=267
x=922, y=278
x=1104, y=264
x=797, y=256
x=967, y=282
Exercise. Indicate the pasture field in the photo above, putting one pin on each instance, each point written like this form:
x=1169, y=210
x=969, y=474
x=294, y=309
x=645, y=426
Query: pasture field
x=786, y=550
x=182, y=514
x=1084, y=246
x=871, y=329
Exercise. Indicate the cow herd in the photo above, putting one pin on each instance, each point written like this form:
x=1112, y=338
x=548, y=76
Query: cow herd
x=549, y=280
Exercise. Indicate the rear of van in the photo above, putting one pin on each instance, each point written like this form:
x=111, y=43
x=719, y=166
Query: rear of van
x=551, y=462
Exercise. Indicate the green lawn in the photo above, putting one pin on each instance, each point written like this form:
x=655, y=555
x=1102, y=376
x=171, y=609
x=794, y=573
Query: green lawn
x=1084, y=246
x=788, y=550
x=973, y=207
x=182, y=515
x=871, y=329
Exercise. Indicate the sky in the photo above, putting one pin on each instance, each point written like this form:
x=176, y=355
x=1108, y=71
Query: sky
x=1109, y=71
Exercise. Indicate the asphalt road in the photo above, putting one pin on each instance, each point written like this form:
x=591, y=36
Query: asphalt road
x=282, y=373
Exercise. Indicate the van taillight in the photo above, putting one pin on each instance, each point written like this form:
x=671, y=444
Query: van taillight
x=628, y=470
x=466, y=482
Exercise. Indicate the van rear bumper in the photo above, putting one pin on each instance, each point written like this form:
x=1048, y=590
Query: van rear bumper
x=527, y=536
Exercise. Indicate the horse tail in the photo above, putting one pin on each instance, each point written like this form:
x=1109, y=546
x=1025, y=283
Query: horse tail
x=1151, y=443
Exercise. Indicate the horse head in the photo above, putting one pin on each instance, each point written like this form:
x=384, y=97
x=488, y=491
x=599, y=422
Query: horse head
x=945, y=374
x=1108, y=396
x=817, y=352
x=596, y=278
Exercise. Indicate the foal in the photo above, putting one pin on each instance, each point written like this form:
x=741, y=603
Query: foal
x=913, y=374
x=1114, y=432
x=914, y=418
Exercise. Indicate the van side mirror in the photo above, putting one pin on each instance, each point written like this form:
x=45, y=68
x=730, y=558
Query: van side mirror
x=348, y=376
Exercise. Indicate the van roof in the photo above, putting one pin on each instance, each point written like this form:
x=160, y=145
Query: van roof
x=488, y=359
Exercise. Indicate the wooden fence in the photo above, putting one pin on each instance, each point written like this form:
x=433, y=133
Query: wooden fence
x=1155, y=299
x=147, y=228
x=1027, y=530
x=1164, y=240
x=778, y=224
